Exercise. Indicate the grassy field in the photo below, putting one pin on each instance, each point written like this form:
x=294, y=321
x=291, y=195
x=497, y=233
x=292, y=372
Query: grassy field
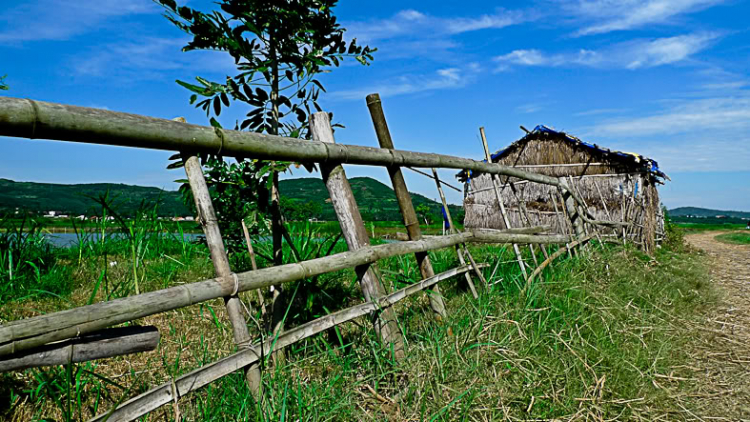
x=699, y=227
x=598, y=336
x=736, y=238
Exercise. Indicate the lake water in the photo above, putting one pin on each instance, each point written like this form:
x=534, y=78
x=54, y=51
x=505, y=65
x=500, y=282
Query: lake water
x=64, y=240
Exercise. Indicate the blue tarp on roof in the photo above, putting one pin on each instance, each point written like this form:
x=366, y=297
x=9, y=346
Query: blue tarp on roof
x=651, y=165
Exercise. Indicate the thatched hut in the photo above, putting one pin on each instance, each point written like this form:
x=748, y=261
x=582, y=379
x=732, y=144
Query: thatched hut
x=616, y=186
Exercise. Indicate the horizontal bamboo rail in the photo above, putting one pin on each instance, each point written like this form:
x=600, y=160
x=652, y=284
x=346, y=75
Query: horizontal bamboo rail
x=103, y=344
x=32, y=332
x=24, y=118
x=165, y=393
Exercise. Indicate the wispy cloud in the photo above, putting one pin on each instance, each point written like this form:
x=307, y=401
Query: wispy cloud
x=60, y=19
x=530, y=108
x=629, y=55
x=718, y=115
x=603, y=16
x=147, y=58
x=422, y=25
x=446, y=78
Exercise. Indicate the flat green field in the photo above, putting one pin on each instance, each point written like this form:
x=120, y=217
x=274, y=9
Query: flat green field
x=735, y=238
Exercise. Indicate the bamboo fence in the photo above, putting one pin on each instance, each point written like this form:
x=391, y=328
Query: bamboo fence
x=85, y=333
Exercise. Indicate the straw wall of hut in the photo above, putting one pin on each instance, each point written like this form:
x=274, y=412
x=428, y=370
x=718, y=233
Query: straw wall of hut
x=615, y=186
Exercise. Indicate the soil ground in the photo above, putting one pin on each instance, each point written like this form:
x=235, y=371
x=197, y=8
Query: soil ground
x=722, y=355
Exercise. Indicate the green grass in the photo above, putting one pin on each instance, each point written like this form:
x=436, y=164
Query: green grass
x=736, y=238
x=595, y=334
x=701, y=227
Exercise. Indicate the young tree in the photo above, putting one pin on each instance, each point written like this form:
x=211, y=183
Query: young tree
x=279, y=48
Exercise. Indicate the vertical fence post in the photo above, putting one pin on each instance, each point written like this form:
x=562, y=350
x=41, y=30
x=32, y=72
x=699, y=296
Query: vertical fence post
x=460, y=249
x=209, y=223
x=355, y=234
x=498, y=196
x=404, y=201
x=570, y=205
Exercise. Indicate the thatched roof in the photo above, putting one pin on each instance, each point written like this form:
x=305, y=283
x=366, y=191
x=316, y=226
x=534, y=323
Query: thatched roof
x=633, y=162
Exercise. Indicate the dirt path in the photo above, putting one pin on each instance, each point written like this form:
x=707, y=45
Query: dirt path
x=723, y=356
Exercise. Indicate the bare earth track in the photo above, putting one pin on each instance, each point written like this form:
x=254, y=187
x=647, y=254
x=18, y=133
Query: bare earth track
x=723, y=355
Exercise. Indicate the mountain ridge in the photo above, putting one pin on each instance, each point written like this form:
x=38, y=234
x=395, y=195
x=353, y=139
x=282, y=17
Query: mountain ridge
x=376, y=200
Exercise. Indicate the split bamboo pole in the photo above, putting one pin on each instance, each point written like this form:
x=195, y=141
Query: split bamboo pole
x=254, y=264
x=561, y=221
x=431, y=177
x=355, y=234
x=460, y=248
x=498, y=196
x=24, y=118
x=100, y=345
x=404, y=201
x=209, y=223
x=168, y=392
x=24, y=334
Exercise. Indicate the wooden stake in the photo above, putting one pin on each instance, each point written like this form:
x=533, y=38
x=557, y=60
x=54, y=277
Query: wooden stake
x=459, y=248
x=209, y=223
x=355, y=234
x=404, y=201
x=495, y=185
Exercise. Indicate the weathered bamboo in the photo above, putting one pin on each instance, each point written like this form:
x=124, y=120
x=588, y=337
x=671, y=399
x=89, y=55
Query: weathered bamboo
x=404, y=201
x=26, y=118
x=555, y=255
x=461, y=248
x=573, y=211
x=164, y=394
x=355, y=233
x=254, y=264
x=100, y=345
x=36, y=331
x=432, y=177
x=209, y=223
x=495, y=185
x=561, y=221
x=524, y=214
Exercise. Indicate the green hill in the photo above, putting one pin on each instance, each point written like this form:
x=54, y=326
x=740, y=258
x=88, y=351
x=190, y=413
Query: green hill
x=706, y=212
x=376, y=200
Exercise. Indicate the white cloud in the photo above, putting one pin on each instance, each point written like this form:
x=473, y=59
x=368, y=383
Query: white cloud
x=629, y=55
x=421, y=25
x=687, y=116
x=446, y=78
x=613, y=15
x=147, y=58
x=60, y=20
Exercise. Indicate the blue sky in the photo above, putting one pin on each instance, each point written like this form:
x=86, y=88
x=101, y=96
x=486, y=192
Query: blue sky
x=665, y=78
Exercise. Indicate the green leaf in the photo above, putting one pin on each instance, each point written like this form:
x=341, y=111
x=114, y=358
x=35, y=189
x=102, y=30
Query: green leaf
x=194, y=88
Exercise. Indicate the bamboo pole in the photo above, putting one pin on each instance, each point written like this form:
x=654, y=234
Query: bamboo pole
x=523, y=212
x=432, y=177
x=100, y=345
x=555, y=255
x=561, y=221
x=253, y=262
x=31, y=332
x=460, y=248
x=404, y=201
x=209, y=223
x=495, y=183
x=355, y=234
x=31, y=119
x=165, y=393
